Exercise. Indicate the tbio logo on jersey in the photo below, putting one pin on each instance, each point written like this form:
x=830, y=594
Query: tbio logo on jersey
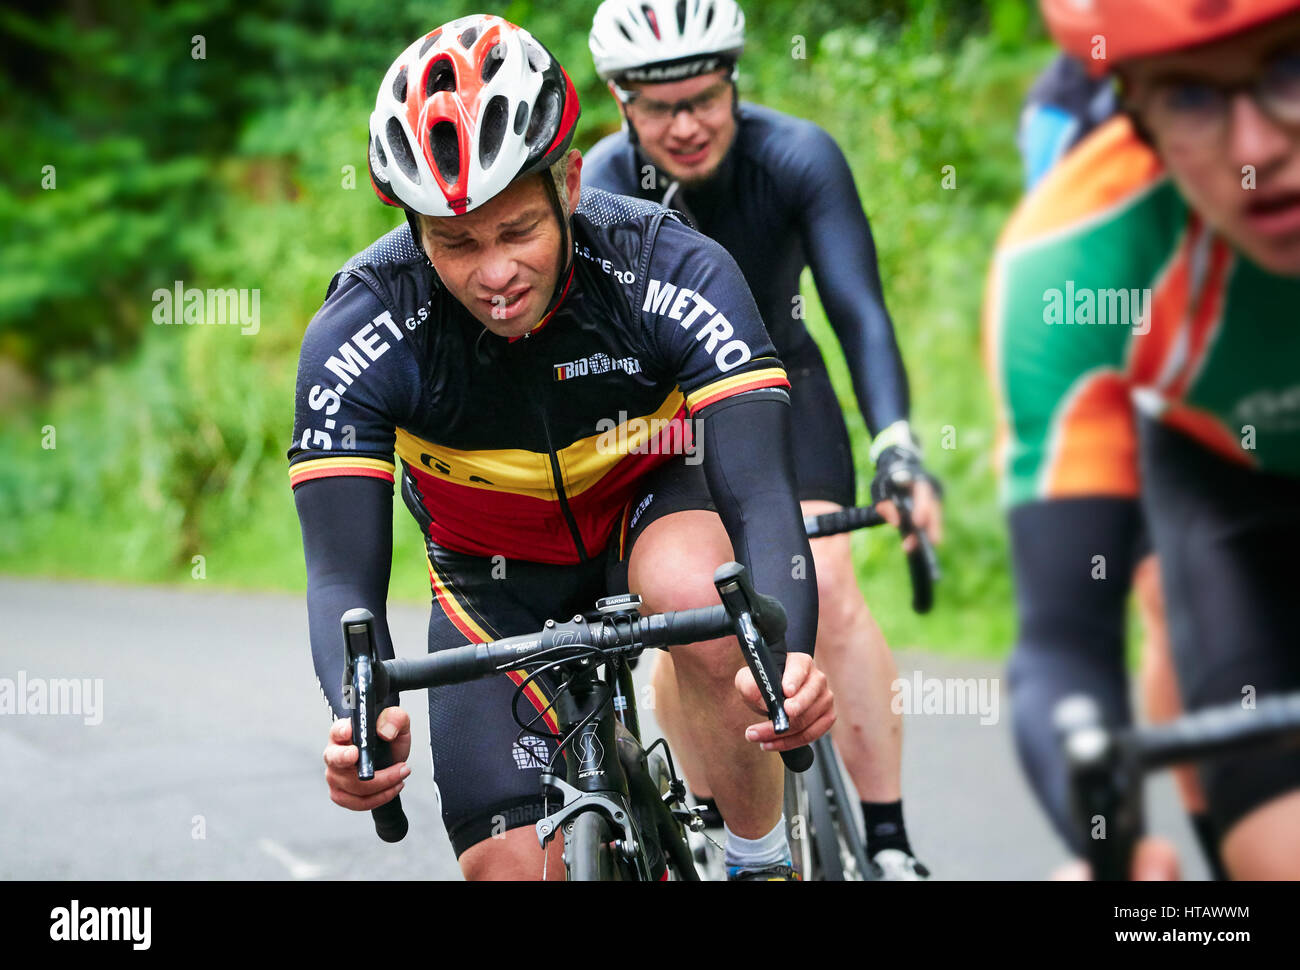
x=596, y=364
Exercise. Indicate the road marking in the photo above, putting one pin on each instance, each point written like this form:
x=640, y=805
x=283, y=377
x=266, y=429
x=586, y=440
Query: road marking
x=298, y=868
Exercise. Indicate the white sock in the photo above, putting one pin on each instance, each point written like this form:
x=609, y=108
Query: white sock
x=770, y=850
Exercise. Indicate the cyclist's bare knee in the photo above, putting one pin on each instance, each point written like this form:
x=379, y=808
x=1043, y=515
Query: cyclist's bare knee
x=1265, y=844
x=512, y=855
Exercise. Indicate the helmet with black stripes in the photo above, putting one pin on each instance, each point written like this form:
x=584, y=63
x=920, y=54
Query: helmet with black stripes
x=464, y=112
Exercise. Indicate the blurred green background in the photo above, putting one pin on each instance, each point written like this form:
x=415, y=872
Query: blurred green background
x=232, y=170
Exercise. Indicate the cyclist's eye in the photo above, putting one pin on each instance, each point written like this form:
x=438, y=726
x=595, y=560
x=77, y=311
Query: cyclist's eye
x=1191, y=98
x=1281, y=79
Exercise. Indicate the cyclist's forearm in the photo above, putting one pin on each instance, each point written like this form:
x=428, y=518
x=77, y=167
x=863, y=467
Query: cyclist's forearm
x=1073, y=563
x=866, y=336
x=347, y=526
x=749, y=463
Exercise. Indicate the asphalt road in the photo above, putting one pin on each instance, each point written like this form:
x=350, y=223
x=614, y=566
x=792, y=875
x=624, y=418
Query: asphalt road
x=206, y=761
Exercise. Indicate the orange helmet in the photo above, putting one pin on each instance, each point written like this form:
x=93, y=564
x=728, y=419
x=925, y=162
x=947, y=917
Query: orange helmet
x=1136, y=28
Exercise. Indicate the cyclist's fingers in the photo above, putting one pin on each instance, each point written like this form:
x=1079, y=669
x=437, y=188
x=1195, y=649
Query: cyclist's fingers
x=763, y=732
x=818, y=708
x=346, y=780
x=888, y=511
x=749, y=691
x=804, y=686
x=359, y=803
x=338, y=756
x=341, y=730
x=392, y=722
x=927, y=512
x=795, y=739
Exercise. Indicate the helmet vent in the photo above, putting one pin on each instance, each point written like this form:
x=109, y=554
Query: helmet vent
x=521, y=117
x=379, y=152
x=538, y=59
x=623, y=30
x=492, y=63
x=399, y=85
x=681, y=16
x=652, y=20
x=546, y=113
x=441, y=77
x=401, y=150
x=496, y=116
x=429, y=42
x=446, y=151
x=708, y=18
x=468, y=37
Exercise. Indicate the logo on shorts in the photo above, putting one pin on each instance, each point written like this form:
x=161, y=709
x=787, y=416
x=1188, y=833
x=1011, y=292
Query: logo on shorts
x=529, y=753
x=597, y=363
x=641, y=507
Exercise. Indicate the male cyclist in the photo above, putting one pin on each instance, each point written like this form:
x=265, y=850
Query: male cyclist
x=1143, y=338
x=496, y=345
x=777, y=193
x=1064, y=106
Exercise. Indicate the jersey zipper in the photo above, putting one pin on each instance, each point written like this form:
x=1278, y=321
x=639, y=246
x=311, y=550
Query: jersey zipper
x=556, y=475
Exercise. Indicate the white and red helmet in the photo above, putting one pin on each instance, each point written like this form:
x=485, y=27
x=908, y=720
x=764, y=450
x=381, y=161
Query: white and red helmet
x=665, y=40
x=463, y=112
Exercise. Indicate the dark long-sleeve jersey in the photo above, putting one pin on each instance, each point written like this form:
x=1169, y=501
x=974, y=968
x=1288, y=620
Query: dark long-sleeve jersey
x=532, y=448
x=784, y=198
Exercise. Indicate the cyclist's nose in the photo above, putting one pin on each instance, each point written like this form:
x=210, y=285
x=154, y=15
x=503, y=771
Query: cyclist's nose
x=685, y=125
x=1254, y=138
x=497, y=269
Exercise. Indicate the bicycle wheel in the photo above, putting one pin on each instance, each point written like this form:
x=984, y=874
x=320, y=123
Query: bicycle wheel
x=827, y=864
x=588, y=850
x=796, y=825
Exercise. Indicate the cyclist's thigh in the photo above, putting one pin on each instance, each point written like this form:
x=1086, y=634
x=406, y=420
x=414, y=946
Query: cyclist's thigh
x=823, y=458
x=487, y=772
x=1225, y=536
x=672, y=552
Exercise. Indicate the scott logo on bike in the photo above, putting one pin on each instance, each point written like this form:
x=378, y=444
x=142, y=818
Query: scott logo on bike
x=591, y=753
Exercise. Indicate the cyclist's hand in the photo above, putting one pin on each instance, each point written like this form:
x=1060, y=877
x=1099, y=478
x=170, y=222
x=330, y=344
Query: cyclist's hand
x=808, y=701
x=1154, y=860
x=394, y=726
x=899, y=472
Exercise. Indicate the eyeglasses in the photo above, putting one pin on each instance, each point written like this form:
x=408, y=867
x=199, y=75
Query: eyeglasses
x=708, y=105
x=1192, y=114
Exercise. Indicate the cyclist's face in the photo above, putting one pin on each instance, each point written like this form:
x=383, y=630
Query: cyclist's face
x=688, y=143
x=501, y=260
x=1234, y=154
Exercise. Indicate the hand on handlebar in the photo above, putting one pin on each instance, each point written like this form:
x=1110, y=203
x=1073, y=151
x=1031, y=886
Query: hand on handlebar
x=341, y=754
x=927, y=511
x=808, y=702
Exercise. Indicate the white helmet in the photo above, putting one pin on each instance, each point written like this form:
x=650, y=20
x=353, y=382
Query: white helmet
x=464, y=112
x=665, y=40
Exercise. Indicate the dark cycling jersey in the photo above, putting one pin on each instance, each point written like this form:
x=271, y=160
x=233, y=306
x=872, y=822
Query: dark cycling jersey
x=784, y=199
x=529, y=448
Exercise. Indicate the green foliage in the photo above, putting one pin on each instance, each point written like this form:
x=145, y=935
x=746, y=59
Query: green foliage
x=247, y=169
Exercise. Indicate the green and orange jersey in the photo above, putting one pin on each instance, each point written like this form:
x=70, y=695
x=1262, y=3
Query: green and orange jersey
x=1109, y=297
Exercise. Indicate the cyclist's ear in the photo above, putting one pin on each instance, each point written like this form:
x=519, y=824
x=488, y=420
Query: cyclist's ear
x=573, y=179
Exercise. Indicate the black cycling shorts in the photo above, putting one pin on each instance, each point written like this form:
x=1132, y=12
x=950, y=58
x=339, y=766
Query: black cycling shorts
x=1226, y=538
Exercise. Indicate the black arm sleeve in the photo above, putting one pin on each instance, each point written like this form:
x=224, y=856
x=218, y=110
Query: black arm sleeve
x=749, y=465
x=347, y=537
x=842, y=255
x=1071, y=628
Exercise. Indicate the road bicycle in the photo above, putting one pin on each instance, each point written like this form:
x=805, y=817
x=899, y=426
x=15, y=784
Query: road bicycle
x=621, y=807
x=1108, y=766
x=823, y=821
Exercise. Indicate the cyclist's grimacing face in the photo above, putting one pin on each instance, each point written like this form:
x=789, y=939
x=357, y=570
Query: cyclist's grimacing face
x=688, y=144
x=501, y=260
x=1235, y=155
